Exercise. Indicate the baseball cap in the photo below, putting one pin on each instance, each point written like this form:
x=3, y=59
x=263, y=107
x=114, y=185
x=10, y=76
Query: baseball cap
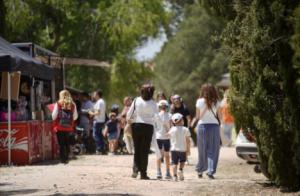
x=176, y=117
x=163, y=102
x=176, y=96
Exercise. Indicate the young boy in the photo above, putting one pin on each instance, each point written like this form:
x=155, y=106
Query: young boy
x=163, y=138
x=112, y=129
x=180, y=141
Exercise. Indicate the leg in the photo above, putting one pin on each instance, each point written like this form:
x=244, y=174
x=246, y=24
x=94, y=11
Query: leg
x=110, y=146
x=213, y=148
x=175, y=159
x=101, y=138
x=136, y=135
x=96, y=136
x=202, y=154
x=227, y=128
x=128, y=142
x=167, y=159
x=148, y=132
x=67, y=145
x=61, y=142
x=193, y=136
x=175, y=171
x=167, y=146
x=158, y=161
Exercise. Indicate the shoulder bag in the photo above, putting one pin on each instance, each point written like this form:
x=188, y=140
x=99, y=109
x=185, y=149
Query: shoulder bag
x=128, y=128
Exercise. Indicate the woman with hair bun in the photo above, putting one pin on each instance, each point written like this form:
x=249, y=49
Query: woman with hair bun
x=143, y=112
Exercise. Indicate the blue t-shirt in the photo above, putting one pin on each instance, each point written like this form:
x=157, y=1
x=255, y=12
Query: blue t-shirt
x=112, y=126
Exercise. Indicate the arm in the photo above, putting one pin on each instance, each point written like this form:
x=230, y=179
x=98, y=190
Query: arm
x=55, y=112
x=96, y=109
x=130, y=111
x=189, y=118
x=188, y=148
x=75, y=114
x=94, y=112
x=105, y=131
x=197, y=113
x=119, y=128
x=220, y=115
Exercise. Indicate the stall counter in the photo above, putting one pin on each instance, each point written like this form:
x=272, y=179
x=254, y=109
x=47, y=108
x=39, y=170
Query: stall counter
x=31, y=142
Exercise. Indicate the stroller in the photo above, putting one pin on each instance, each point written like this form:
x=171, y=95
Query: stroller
x=76, y=141
x=80, y=143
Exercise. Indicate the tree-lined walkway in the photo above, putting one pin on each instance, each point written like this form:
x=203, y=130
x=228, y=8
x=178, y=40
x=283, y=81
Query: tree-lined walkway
x=106, y=175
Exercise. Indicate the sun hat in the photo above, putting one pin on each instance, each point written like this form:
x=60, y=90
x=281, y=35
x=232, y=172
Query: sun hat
x=163, y=103
x=176, y=117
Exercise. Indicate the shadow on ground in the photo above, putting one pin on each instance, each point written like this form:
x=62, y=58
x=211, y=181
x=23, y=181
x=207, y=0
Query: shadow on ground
x=19, y=192
x=101, y=194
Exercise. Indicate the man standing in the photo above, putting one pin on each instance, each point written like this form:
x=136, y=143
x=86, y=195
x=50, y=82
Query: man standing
x=84, y=121
x=98, y=114
x=179, y=107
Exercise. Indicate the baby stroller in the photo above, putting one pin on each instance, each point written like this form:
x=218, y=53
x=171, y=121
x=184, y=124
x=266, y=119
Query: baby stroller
x=76, y=141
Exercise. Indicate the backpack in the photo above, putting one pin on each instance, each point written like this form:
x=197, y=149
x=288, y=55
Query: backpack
x=65, y=118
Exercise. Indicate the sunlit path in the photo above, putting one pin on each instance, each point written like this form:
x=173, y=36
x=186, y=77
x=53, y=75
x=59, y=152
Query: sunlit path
x=94, y=175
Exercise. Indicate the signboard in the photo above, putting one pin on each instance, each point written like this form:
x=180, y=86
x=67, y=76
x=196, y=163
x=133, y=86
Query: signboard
x=15, y=85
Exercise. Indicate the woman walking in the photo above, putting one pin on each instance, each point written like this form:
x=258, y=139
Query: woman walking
x=143, y=111
x=64, y=116
x=208, y=131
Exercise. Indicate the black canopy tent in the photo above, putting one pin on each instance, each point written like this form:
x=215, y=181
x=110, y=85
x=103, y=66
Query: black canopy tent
x=11, y=60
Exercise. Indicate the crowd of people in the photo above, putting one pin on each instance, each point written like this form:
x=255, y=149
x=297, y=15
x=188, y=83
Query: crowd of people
x=164, y=125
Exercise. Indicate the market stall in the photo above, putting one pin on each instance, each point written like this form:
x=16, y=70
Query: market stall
x=25, y=130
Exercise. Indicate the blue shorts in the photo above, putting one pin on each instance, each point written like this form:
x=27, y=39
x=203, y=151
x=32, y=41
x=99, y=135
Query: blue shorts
x=164, y=144
x=112, y=135
x=177, y=156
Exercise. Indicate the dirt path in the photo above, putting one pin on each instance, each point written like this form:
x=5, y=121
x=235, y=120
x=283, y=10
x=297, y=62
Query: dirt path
x=110, y=175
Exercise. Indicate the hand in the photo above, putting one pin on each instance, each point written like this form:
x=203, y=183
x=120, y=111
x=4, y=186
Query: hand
x=188, y=152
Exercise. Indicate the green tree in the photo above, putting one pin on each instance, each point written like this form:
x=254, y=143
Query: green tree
x=107, y=30
x=192, y=56
x=265, y=96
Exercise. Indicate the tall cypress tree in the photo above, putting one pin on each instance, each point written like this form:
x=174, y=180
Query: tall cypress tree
x=265, y=95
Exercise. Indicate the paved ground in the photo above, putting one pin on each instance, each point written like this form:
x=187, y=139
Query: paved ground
x=110, y=175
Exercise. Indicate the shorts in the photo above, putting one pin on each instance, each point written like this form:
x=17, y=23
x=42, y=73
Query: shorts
x=164, y=144
x=177, y=156
x=113, y=135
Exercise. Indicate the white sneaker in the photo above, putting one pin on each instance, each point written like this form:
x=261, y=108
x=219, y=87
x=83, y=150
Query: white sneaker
x=175, y=177
x=180, y=174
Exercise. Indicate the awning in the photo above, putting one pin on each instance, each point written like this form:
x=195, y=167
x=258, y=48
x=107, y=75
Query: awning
x=13, y=59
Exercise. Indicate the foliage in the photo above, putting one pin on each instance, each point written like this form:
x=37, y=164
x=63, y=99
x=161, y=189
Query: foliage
x=106, y=30
x=265, y=95
x=192, y=56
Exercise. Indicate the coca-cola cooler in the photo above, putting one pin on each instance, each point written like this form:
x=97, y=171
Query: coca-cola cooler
x=47, y=140
x=55, y=146
x=26, y=143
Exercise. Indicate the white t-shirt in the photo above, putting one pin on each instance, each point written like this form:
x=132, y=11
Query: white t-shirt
x=208, y=117
x=178, y=135
x=163, y=125
x=145, y=111
x=100, y=106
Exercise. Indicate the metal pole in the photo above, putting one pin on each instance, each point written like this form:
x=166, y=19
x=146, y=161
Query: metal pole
x=9, y=116
x=64, y=73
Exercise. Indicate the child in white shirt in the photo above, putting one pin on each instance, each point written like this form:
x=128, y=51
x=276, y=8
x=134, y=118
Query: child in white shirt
x=180, y=142
x=163, y=138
